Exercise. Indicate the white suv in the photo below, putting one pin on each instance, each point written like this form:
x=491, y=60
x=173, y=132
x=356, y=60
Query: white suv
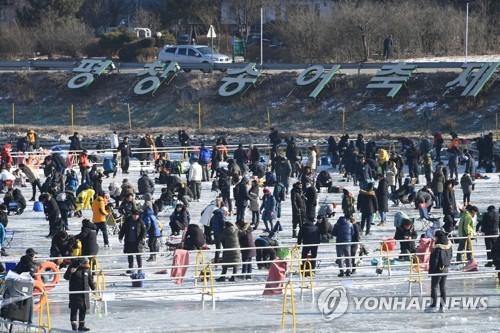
x=193, y=54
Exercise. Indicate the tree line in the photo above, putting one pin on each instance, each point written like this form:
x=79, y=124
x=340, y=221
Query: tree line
x=354, y=31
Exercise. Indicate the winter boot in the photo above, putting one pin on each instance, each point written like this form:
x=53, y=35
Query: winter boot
x=82, y=327
x=74, y=325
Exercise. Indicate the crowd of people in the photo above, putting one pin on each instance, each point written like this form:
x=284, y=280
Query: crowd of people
x=250, y=189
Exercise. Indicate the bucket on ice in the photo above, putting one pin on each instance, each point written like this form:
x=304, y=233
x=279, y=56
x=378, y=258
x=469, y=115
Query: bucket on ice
x=389, y=245
x=38, y=206
x=140, y=277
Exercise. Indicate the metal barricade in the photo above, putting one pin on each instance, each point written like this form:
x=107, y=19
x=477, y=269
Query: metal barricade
x=7, y=326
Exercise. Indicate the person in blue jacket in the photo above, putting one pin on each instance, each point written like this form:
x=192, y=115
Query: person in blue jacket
x=205, y=158
x=343, y=231
x=110, y=166
x=154, y=232
x=268, y=209
x=217, y=222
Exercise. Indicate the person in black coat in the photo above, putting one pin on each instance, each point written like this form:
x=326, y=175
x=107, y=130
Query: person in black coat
x=309, y=235
x=412, y=158
x=311, y=201
x=134, y=232
x=195, y=239
x=59, y=163
x=62, y=246
x=19, y=199
x=439, y=263
x=448, y=202
x=27, y=263
x=224, y=184
x=406, y=232
x=298, y=207
x=382, y=194
x=179, y=219
x=241, y=198
x=145, y=184
x=75, y=143
x=125, y=152
x=367, y=205
x=216, y=158
x=80, y=279
x=324, y=226
x=489, y=226
x=52, y=213
x=88, y=237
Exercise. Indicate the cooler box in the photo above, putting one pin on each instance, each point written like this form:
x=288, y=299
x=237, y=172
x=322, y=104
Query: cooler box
x=9, y=266
x=20, y=310
x=137, y=276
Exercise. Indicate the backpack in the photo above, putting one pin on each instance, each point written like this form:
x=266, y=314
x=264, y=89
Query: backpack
x=279, y=192
x=270, y=178
x=350, y=205
x=177, y=167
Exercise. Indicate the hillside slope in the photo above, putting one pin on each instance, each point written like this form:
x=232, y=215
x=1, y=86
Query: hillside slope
x=42, y=99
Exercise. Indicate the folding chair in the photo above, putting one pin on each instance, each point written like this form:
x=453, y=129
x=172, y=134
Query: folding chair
x=425, y=217
x=9, y=237
x=115, y=223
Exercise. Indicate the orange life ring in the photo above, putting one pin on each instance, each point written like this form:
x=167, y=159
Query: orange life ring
x=48, y=266
x=38, y=290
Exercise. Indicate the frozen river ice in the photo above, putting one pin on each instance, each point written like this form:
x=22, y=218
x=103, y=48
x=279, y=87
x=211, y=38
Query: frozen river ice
x=241, y=308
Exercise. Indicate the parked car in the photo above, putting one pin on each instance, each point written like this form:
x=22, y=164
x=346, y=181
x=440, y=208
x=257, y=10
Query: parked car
x=193, y=54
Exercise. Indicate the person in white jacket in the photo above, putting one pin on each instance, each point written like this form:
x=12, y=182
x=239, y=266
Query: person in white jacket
x=114, y=142
x=206, y=216
x=195, y=176
x=311, y=159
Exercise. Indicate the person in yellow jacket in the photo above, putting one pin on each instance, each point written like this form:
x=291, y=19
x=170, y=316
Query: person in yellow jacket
x=466, y=229
x=383, y=158
x=32, y=140
x=99, y=215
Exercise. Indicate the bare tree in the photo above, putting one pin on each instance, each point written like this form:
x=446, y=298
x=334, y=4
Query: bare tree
x=16, y=42
x=147, y=19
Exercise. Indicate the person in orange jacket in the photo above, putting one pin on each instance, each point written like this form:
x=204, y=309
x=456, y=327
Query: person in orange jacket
x=99, y=215
x=83, y=163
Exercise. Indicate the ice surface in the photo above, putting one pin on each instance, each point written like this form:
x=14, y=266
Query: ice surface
x=242, y=308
